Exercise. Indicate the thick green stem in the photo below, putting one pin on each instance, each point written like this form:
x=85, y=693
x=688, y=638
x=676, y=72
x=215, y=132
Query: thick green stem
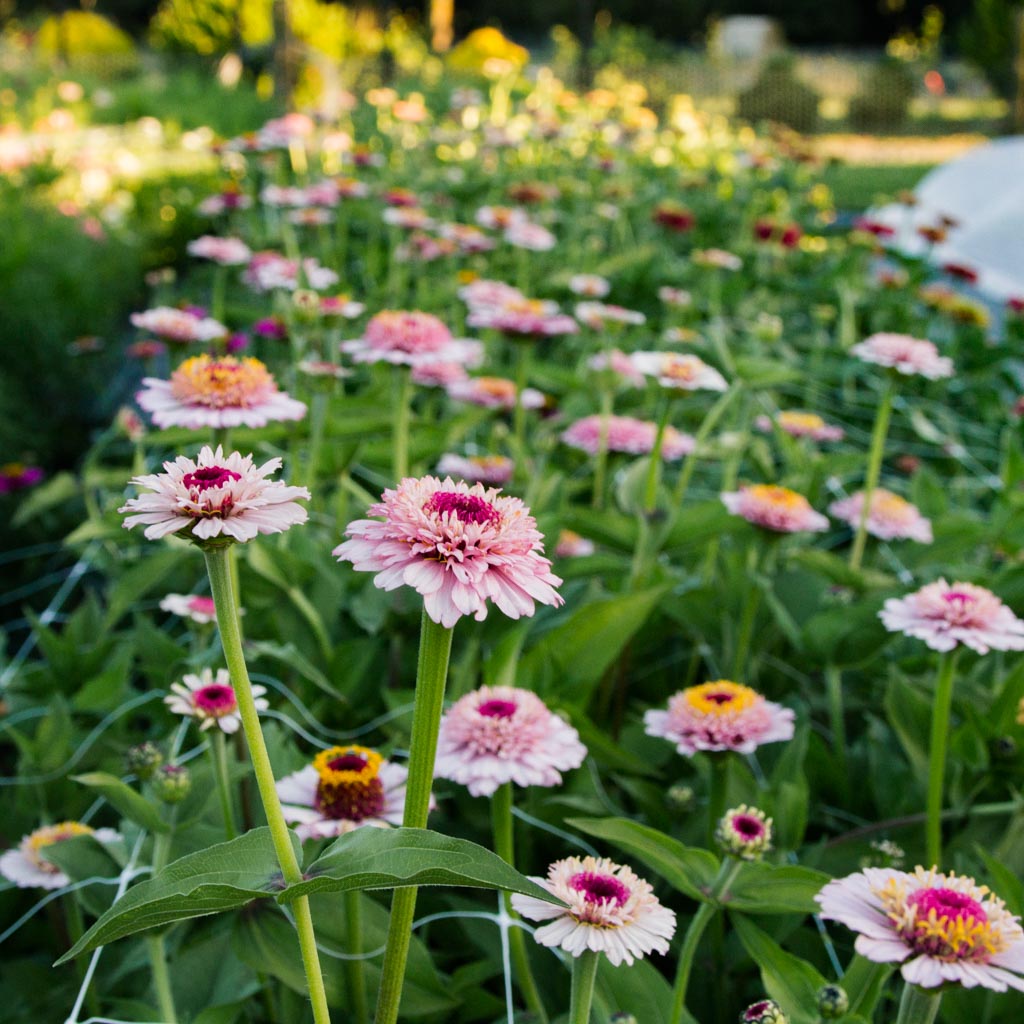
x=748, y=617
x=654, y=466
x=937, y=759
x=504, y=847
x=354, y=973
x=431, y=677
x=919, y=1006
x=837, y=723
x=519, y=413
x=161, y=978
x=601, y=461
x=76, y=929
x=400, y=430
x=584, y=973
x=317, y=421
x=217, y=565
x=219, y=757
x=220, y=280
x=717, y=791
x=878, y=435
x=714, y=414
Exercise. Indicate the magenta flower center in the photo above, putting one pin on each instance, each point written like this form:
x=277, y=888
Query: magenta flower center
x=600, y=888
x=209, y=476
x=754, y=1012
x=350, y=801
x=348, y=763
x=202, y=605
x=497, y=708
x=215, y=699
x=720, y=697
x=467, y=508
x=747, y=826
x=948, y=904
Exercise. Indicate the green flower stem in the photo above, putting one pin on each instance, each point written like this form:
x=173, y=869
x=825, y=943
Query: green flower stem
x=222, y=438
x=217, y=565
x=748, y=617
x=519, y=413
x=837, y=723
x=918, y=1006
x=504, y=847
x=878, y=435
x=218, y=749
x=431, y=677
x=601, y=461
x=354, y=972
x=714, y=414
x=584, y=973
x=400, y=430
x=937, y=758
x=76, y=929
x=317, y=422
x=220, y=280
x=699, y=922
x=654, y=466
x=717, y=792
x=161, y=978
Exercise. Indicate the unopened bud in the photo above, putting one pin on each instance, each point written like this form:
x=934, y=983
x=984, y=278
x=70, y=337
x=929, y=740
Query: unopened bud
x=680, y=797
x=143, y=760
x=173, y=783
x=833, y=1001
x=767, y=1011
x=745, y=832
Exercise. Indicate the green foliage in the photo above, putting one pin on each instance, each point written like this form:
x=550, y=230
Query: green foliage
x=884, y=102
x=778, y=95
x=990, y=38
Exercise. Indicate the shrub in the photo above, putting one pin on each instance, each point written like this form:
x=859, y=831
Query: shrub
x=778, y=95
x=885, y=100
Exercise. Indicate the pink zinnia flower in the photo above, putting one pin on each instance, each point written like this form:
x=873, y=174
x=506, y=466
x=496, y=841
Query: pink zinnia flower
x=268, y=271
x=197, y=607
x=477, y=469
x=572, y=545
x=678, y=297
x=457, y=545
x=610, y=910
x=597, y=314
x=217, y=495
x=890, y=518
x=467, y=238
x=344, y=789
x=684, y=372
x=410, y=339
x=500, y=217
x=489, y=293
x=178, y=325
x=228, y=252
x=530, y=236
x=525, y=318
x=209, y=392
x=801, y=424
x=411, y=218
x=592, y=286
x=620, y=364
x=28, y=870
x=493, y=393
x=744, y=832
x=774, y=508
x=211, y=701
x=626, y=434
x=904, y=354
x=941, y=927
x=944, y=615
x=439, y=374
x=720, y=716
x=500, y=734
x=14, y=476
x=717, y=259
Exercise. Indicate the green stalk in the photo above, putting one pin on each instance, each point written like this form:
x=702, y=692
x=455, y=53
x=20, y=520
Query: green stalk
x=431, y=677
x=519, y=413
x=714, y=414
x=717, y=788
x=354, y=973
x=76, y=929
x=919, y=1006
x=504, y=847
x=400, y=430
x=220, y=279
x=217, y=565
x=748, y=617
x=161, y=978
x=601, y=462
x=937, y=758
x=654, y=466
x=874, y=469
x=317, y=422
x=837, y=722
x=219, y=758
x=584, y=972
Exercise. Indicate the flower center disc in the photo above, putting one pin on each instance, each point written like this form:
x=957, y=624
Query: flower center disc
x=209, y=476
x=467, y=508
x=497, y=708
x=216, y=699
x=721, y=697
x=222, y=383
x=349, y=788
x=747, y=826
x=600, y=888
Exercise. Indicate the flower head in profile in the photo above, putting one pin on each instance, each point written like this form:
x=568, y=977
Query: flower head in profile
x=943, y=928
x=572, y=545
x=527, y=235
x=343, y=789
x=216, y=495
x=500, y=734
x=682, y=372
x=178, y=325
x=495, y=470
x=626, y=434
x=904, y=354
x=801, y=424
x=206, y=391
x=210, y=700
x=590, y=286
x=27, y=869
x=610, y=910
x=744, y=832
x=457, y=545
x=16, y=476
x=890, y=517
x=493, y=393
x=619, y=366
x=598, y=315
x=722, y=715
x=774, y=508
x=523, y=318
x=197, y=607
x=228, y=252
x=411, y=338
x=945, y=615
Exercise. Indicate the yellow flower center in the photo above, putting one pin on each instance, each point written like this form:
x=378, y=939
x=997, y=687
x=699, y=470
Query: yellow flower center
x=680, y=368
x=349, y=788
x=800, y=421
x=778, y=497
x=887, y=505
x=222, y=383
x=721, y=697
x=488, y=461
x=47, y=836
x=499, y=387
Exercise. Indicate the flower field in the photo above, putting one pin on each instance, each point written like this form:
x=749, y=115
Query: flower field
x=550, y=566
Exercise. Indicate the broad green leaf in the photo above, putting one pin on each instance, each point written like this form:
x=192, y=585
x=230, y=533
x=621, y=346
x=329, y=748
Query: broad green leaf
x=220, y=878
x=1005, y=884
x=685, y=868
x=909, y=713
x=132, y=804
x=765, y=373
x=762, y=888
x=386, y=858
x=837, y=570
x=500, y=666
x=864, y=982
x=138, y=581
x=639, y=989
x=793, y=983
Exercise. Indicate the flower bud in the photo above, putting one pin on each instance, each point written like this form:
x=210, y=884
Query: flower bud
x=680, y=797
x=745, y=832
x=767, y=1011
x=143, y=760
x=833, y=1001
x=622, y=1018
x=173, y=783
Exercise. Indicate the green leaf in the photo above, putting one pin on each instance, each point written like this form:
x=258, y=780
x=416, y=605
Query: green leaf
x=837, y=570
x=639, y=989
x=762, y=888
x=222, y=877
x=134, y=806
x=864, y=982
x=685, y=868
x=909, y=713
x=138, y=581
x=765, y=373
x=793, y=983
x=390, y=858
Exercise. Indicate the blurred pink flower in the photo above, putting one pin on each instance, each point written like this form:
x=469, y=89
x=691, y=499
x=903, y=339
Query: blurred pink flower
x=891, y=517
x=197, y=607
x=457, y=545
x=228, y=252
x=596, y=315
x=774, y=508
x=801, y=424
x=493, y=393
x=683, y=372
x=945, y=615
x=626, y=434
x=178, y=325
x=14, y=476
x=572, y=545
x=500, y=734
x=530, y=236
x=411, y=338
x=591, y=286
x=904, y=354
x=477, y=469
x=211, y=701
x=28, y=870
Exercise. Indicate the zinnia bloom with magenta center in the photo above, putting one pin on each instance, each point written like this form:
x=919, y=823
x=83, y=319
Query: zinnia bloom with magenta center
x=411, y=338
x=722, y=715
x=217, y=495
x=944, y=615
x=626, y=434
x=908, y=356
x=941, y=927
x=457, y=545
x=500, y=734
x=27, y=869
x=211, y=700
x=610, y=910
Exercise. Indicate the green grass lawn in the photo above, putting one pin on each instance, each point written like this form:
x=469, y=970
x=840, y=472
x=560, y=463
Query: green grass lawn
x=858, y=187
